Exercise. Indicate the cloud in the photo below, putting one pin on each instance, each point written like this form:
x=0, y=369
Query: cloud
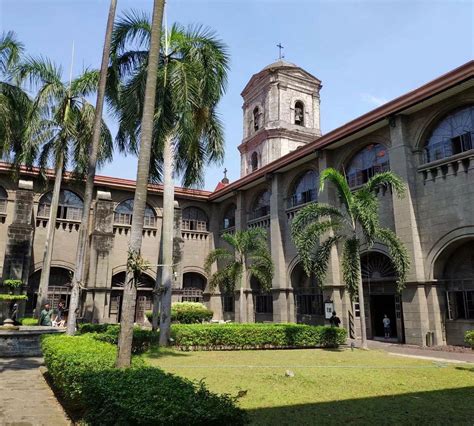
x=374, y=100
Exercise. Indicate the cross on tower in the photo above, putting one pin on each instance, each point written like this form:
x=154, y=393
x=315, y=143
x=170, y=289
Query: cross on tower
x=280, y=47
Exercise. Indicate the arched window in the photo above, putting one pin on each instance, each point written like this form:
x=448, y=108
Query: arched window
x=3, y=200
x=254, y=161
x=193, y=287
x=124, y=213
x=261, y=205
x=299, y=113
x=453, y=135
x=229, y=217
x=70, y=205
x=304, y=189
x=366, y=163
x=194, y=219
x=256, y=119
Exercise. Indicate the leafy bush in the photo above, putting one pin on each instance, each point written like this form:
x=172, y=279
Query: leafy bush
x=13, y=283
x=81, y=369
x=94, y=328
x=142, y=339
x=29, y=321
x=469, y=338
x=248, y=336
x=11, y=297
x=187, y=313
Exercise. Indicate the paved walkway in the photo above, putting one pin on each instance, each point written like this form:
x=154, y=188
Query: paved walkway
x=416, y=351
x=25, y=397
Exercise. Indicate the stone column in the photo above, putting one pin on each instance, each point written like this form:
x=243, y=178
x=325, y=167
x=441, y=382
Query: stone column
x=16, y=264
x=280, y=285
x=100, y=273
x=415, y=308
x=241, y=224
x=214, y=295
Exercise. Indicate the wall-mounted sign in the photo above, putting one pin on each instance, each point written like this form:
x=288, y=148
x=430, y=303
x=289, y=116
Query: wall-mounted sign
x=328, y=309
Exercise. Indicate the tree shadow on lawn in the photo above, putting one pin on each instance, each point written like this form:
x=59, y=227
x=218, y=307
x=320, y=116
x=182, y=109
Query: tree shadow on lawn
x=432, y=407
x=160, y=352
x=470, y=369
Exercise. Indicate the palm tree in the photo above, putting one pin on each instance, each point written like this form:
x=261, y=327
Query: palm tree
x=16, y=107
x=187, y=132
x=91, y=168
x=135, y=264
x=248, y=258
x=61, y=136
x=318, y=227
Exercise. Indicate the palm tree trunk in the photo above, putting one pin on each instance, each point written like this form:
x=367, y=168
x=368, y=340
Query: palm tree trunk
x=49, y=243
x=143, y=171
x=89, y=191
x=167, y=243
x=243, y=278
x=363, y=329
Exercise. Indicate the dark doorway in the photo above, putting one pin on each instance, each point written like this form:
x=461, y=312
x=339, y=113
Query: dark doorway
x=381, y=305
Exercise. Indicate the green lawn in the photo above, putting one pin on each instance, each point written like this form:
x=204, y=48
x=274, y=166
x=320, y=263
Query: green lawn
x=332, y=387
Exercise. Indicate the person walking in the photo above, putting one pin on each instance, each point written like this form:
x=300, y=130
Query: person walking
x=334, y=320
x=386, y=326
x=45, y=316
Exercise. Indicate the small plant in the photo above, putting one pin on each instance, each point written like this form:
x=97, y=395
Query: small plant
x=187, y=313
x=13, y=284
x=469, y=338
x=29, y=321
x=12, y=297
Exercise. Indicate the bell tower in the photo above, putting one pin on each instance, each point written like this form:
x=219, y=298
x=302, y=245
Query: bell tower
x=280, y=113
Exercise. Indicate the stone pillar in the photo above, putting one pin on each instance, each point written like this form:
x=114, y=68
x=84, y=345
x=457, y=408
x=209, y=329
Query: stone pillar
x=100, y=273
x=415, y=309
x=177, y=249
x=241, y=224
x=214, y=294
x=16, y=264
x=280, y=283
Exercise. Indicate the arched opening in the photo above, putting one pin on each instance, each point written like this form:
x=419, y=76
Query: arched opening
x=261, y=205
x=454, y=271
x=123, y=214
x=262, y=302
x=144, y=301
x=369, y=161
x=70, y=205
x=299, y=113
x=453, y=135
x=194, y=219
x=304, y=189
x=194, y=285
x=59, y=288
x=3, y=200
x=256, y=119
x=229, y=217
x=308, y=297
x=254, y=161
x=379, y=280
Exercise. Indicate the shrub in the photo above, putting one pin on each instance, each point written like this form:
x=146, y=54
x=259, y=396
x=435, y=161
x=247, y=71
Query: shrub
x=94, y=328
x=81, y=369
x=11, y=297
x=187, y=313
x=142, y=339
x=469, y=338
x=248, y=336
x=13, y=283
x=29, y=321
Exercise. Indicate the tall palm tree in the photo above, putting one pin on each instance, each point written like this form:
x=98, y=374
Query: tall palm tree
x=16, y=107
x=91, y=168
x=61, y=136
x=143, y=171
x=187, y=132
x=318, y=227
x=248, y=258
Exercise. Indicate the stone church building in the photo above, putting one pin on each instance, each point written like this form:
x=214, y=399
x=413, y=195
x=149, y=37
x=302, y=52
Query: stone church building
x=425, y=136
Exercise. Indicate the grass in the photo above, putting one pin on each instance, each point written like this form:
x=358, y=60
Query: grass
x=331, y=386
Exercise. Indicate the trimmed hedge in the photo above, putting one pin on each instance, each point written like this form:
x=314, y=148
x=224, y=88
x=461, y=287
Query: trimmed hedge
x=469, y=338
x=81, y=369
x=29, y=321
x=12, y=297
x=187, y=313
x=142, y=339
x=255, y=336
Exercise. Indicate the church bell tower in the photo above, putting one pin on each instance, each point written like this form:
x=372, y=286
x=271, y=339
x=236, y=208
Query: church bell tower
x=280, y=113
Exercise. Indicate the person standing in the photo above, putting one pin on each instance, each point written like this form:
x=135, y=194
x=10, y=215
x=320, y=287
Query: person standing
x=334, y=320
x=45, y=316
x=386, y=326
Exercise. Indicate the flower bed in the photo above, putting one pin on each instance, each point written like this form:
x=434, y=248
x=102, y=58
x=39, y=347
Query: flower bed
x=82, y=371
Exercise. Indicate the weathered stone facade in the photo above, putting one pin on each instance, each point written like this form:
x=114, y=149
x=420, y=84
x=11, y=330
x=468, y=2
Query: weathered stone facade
x=435, y=219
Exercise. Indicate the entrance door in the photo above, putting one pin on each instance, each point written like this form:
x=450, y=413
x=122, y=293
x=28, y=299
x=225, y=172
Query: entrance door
x=381, y=305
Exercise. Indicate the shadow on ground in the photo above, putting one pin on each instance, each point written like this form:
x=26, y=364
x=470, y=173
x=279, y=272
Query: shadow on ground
x=158, y=352
x=7, y=364
x=449, y=406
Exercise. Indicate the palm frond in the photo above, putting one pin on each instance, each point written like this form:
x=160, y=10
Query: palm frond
x=11, y=50
x=340, y=182
x=351, y=265
x=219, y=254
x=386, y=179
x=320, y=259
